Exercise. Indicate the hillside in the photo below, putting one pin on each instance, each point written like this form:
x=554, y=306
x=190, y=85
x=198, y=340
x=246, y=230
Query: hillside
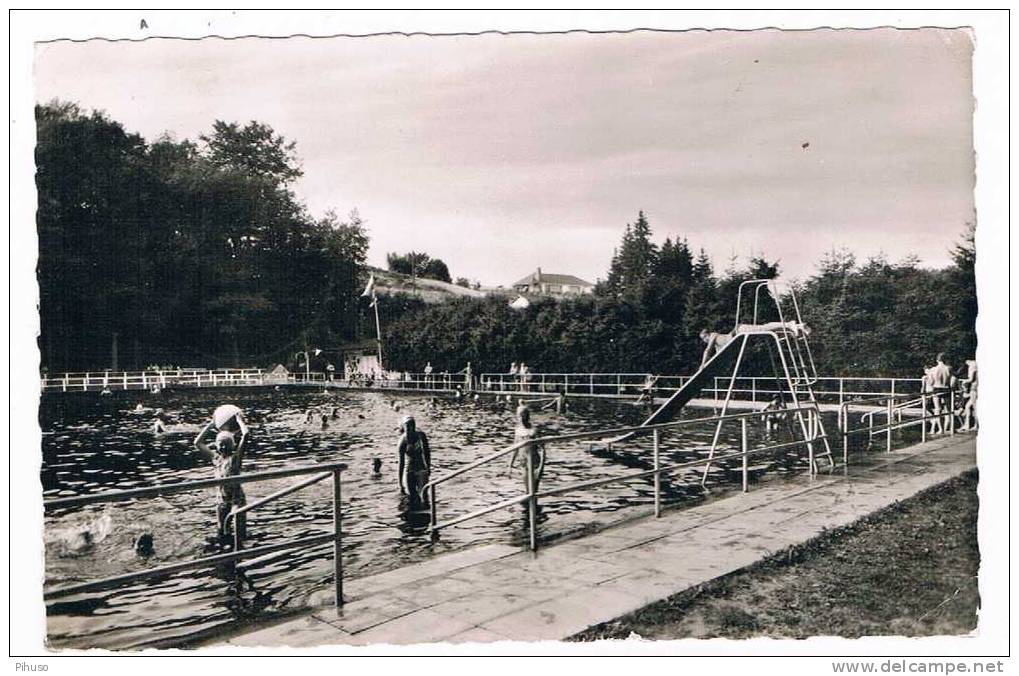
x=429, y=290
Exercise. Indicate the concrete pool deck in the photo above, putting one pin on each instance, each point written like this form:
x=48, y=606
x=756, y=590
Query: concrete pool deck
x=500, y=593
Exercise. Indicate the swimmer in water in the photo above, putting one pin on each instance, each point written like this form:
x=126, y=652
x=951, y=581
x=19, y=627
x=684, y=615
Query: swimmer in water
x=143, y=545
x=772, y=420
x=647, y=392
x=87, y=534
x=226, y=452
x=159, y=423
x=415, y=461
x=325, y=421
x=335, y=413
x=309, y=417
x=376, y=468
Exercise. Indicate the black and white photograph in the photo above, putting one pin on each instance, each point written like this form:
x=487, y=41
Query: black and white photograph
x=508, y=334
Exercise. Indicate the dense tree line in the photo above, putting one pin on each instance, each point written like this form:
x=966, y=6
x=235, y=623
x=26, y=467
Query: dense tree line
x=198, y=253
x=189, y=252
x=872, y=318
x=417, y=264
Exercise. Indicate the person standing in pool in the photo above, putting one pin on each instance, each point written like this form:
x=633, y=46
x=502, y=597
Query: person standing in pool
x=526, y=431
x=415, y=461
x=228, y=432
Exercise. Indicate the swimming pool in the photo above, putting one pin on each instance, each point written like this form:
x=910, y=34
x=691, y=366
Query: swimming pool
x=94, y=444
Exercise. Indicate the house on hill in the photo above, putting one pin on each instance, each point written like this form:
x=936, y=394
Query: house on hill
x=552, y=284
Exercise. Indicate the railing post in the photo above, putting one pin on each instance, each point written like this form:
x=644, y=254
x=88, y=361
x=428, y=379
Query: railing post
x=844, y=416
x=744, y=446
x=753, y=389
x=124, y=379
x=65, y=382
x=337, y=542
x=532, y=502
x=893, y=387
x=951, y=412
x=841, y=390
x=811, y=433
x=923, y=418
x=433, y=514
x=888, y=431
x=656, y=437
x=238, y=544
x=591, y=382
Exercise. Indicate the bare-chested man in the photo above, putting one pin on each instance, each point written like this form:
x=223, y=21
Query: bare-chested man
x=939, y=382
x=716, y=341
x=969, y=408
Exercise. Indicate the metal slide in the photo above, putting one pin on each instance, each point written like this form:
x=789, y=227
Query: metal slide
x=690, y=389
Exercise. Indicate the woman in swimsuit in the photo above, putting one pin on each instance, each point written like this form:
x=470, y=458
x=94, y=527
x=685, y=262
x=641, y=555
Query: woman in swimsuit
x=525, y=431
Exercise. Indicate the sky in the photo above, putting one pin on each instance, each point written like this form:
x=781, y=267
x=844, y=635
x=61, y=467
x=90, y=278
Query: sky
x=503, y=153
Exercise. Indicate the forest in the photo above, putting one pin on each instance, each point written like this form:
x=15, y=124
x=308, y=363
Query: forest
x=867, y=318
x=198, y=252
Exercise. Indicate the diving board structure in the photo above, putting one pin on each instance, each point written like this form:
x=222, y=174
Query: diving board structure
x=786, y=338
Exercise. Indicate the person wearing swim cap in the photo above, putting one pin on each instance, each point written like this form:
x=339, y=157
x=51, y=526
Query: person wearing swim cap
x=228, y=432
x=415, y=461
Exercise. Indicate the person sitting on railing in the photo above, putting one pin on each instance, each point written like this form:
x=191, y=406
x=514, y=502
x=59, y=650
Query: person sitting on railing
x=523, y=432
x=226, y=452
x=415, y=461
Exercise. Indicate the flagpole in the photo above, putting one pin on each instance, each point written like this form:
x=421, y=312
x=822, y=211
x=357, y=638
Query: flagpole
x=378, y=327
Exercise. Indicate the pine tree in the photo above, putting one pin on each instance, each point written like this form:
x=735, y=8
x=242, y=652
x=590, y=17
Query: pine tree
x=702, y=298
x=637, y=259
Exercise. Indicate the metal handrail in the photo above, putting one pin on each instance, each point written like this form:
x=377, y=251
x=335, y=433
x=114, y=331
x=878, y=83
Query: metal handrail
x=321, y=471
x=598, y=434
x=890, y=410
x=531, y=496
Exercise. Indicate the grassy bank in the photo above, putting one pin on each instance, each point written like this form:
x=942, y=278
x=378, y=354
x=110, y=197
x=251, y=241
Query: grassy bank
x=907, y=570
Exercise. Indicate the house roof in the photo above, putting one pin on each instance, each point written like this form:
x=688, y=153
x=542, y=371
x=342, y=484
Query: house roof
x=551, y=278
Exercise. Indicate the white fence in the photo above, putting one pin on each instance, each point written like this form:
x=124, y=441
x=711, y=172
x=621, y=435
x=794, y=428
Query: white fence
x=757, y=388
x=752, y=388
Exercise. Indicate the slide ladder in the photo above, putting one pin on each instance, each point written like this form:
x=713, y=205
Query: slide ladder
x=792, y=364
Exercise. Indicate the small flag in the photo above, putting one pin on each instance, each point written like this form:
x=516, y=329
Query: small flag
x=369, y=289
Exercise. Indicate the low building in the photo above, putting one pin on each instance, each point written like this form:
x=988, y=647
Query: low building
x=552, y=284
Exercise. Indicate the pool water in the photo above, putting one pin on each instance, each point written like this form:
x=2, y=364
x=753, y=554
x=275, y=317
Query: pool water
x=94, y=444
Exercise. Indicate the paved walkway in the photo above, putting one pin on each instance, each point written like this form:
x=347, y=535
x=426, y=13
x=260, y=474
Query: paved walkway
x=498, y=592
